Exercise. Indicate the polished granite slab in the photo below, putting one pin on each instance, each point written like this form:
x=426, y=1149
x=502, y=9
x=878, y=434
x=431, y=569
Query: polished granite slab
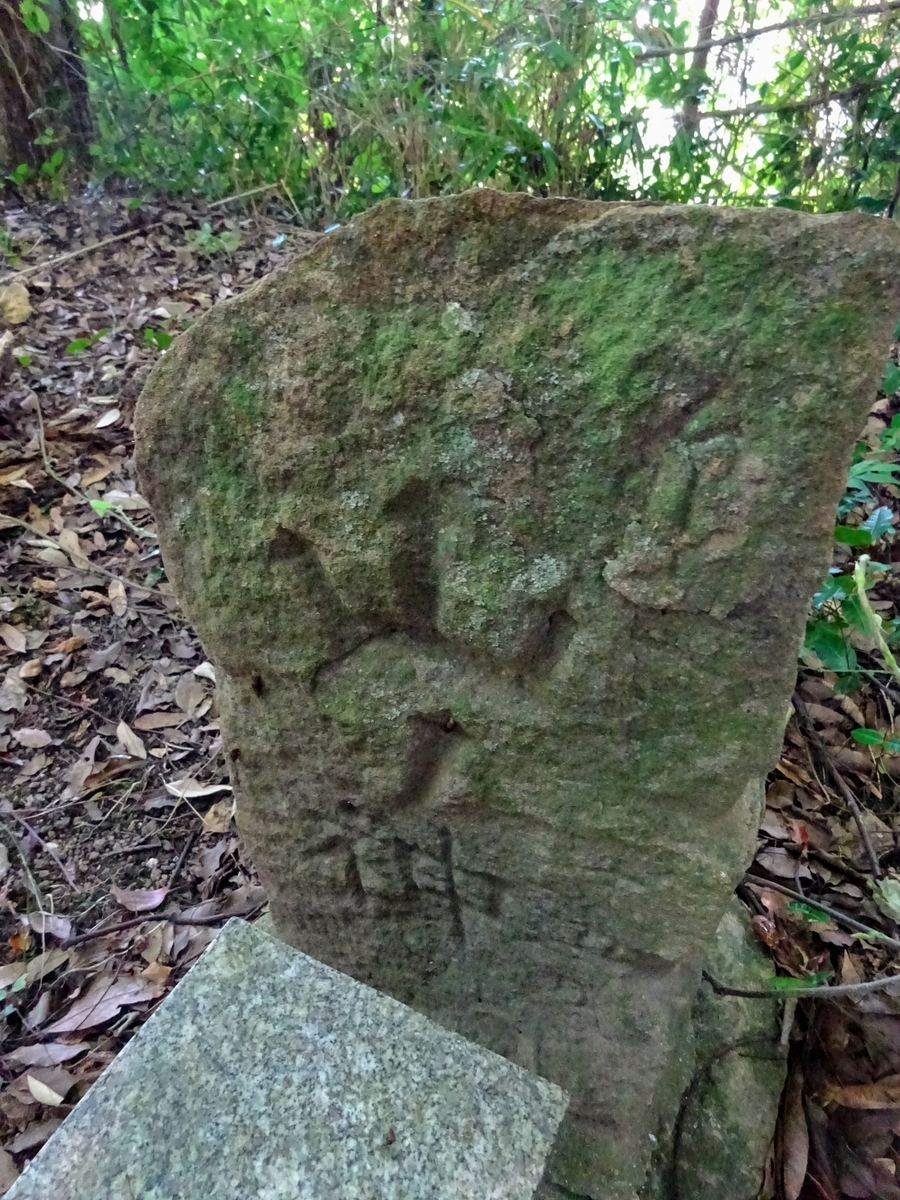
x=268, y=1076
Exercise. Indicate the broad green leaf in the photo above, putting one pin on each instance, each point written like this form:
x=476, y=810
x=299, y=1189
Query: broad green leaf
x=879, y=523
x=847, y=535
x=828, y=644
x=835, y=587
x=867, y=737
x=891, y=381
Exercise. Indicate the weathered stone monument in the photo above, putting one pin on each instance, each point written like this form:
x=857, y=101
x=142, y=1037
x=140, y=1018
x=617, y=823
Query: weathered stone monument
x=499, y=517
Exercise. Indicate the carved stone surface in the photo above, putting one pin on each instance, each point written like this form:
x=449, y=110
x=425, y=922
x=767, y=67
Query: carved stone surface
x=499, y=518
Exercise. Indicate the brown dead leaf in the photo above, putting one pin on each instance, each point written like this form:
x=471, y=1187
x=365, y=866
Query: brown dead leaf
x=15, y=303
x=795, y=1135
x=189, y=693
x=45, y=1054
x=49, y=1085
x=130, y=742
x=883, y=1093
x=30, y=669
x=105, y=999
x=158, y=720
x=95, y=475
x=117, y=597
x=68, y=645
x=9, y=1172
x=217, y=819
x=10, y=475
x=14, y=638
x=34, y=739
x=139, y=899
x=35, y=1135
x=778, y=862
x=795, y=773
x=157, y=973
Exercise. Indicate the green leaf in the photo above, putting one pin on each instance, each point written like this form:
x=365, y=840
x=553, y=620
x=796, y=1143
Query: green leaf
x=784, y=983
x=879, y=523
x=78, y=345
x=892, y=745
x=835, y=587
x=870, y=470
x=24, y=360
x=158, y=338
x=828, y=644
x=891, y=381
x=847, y=535
x=808, y=910
x=867, y=737
x=103, y=507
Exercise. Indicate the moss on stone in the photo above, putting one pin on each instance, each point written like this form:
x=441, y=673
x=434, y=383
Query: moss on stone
x=499, y=518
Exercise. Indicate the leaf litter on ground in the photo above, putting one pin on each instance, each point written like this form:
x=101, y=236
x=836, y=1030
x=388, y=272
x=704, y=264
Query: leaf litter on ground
x=110, y=750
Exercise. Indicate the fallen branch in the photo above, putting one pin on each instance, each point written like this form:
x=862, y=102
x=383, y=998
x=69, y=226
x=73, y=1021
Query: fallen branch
x=842, y=918
x=122, y=926
x=803, y=993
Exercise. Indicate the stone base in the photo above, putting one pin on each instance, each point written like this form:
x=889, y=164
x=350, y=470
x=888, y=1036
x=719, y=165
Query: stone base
x=268, y=1076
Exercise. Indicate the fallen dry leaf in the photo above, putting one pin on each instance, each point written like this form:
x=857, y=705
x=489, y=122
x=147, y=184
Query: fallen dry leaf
x=139, y=899
x=14, y=638
x=105, y=998
x=795, y=1134
x=109, y=418
x=35, y=1135
x=189, y=693
x=190, y=789
x=217, y=819
x=9, y=1172
x=49, y=1085
x=34, y=739
x=49, y=923
x=158, y=720
x=46, y=1054
x=883, y=1093
x=11, y=475
x=117, y=597
x=130, y=741
x=15, y=303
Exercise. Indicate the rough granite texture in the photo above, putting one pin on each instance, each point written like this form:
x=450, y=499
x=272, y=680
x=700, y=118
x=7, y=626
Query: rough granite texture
x=268, y=1076
x=499, y=517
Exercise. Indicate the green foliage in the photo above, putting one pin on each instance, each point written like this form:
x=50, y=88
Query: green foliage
x=84, y=343
x=34, y=16
x=204, y=241
x=158, y=338
x=341, y=103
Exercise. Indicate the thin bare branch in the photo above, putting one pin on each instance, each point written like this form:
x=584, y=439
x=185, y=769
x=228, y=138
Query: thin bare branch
x=747, y=35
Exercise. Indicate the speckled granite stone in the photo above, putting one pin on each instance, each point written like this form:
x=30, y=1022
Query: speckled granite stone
x=268, y=1076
